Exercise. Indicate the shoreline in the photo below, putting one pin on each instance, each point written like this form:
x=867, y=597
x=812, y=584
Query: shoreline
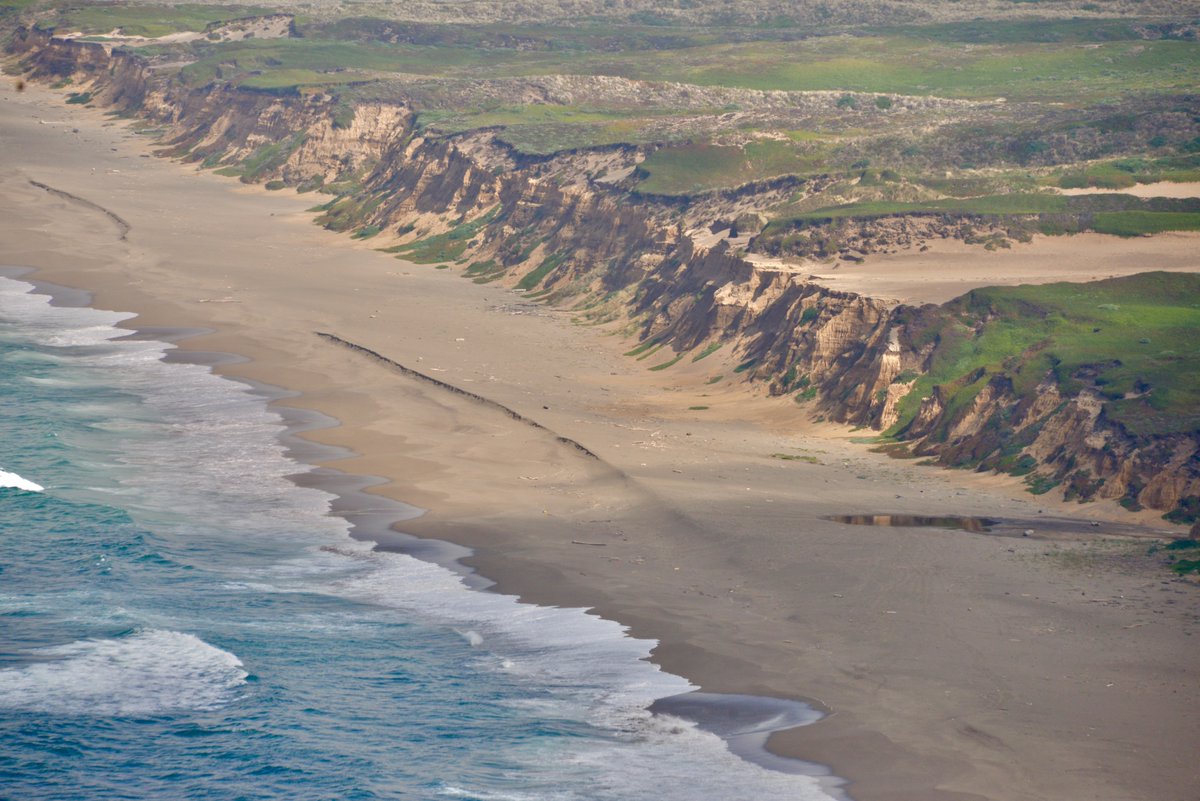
x=744, y=722
x=701, y=547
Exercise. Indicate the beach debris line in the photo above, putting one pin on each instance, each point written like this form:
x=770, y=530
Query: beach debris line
x=123, y=226
x=411, y=373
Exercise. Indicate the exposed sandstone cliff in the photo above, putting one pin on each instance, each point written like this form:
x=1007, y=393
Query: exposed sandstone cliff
x=567, y=228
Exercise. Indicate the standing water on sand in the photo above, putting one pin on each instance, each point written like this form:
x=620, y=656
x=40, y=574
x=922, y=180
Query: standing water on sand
x=182, y=621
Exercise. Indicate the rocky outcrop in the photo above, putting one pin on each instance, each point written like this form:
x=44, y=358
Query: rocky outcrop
x=566, y=228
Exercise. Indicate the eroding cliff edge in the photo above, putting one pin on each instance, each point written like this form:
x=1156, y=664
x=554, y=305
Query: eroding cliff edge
x=569, y=229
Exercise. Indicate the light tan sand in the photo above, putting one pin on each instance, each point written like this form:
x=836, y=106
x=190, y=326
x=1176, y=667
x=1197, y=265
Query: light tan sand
x=950, y=268
x=1180, y=189
x=955, y=666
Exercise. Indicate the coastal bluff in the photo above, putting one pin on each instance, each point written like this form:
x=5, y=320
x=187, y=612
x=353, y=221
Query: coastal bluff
x=682, y=275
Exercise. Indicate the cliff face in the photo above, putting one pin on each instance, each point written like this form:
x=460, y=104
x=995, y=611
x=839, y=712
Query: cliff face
x=563, y=228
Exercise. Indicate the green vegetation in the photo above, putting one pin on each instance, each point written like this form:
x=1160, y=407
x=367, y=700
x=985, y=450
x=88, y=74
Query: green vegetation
x=1182, y=566
x=909, y=122
x=1127, y=172
x=1091, y=83
x=790, y=457
x=449, y=246
x=270, y=157
x=643, y=347
x=151, y=20
x=1139, y=223
x=1122, y=215
x=535, y=276
x=685, y=169
x=805, y=395
x=1186, y=511
x=1186, y=566
x=666, y=364
x=709, y=350
x=1039, y=484
x=898, y=64
x=906, y=61
x=1130, y=339
x=365, y=232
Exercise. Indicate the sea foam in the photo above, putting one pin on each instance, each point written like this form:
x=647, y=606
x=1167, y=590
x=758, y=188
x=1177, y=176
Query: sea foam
x=145, y=673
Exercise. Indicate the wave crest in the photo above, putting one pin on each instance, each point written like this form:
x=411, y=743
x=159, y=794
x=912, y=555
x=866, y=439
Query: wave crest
x=146, y=673
x=15, y=481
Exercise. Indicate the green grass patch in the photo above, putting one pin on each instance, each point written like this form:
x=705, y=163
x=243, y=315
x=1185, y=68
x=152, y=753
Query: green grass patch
x=79, y=98
x=366, y=232
x=666, y=364
x=684, y=169
x=714, y=379
x=484, y=272
x=791, y=457
x=1140, y=223
x=805, y=395
x=923, y=65
x=1039, y=484
x=709, y=350
x=288, y=81
x=697, y=408
x=152, y=20
x=543, y=128
x=269, y=158
x=449, y=246
x=643, y=347
x=653, y=350
x=1126, y=172
x=1186, y=566
x=1131, y=339
x=1187, y=511
x=535, y=276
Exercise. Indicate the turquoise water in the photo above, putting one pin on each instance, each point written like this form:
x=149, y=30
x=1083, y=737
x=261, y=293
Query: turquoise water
x=178, y=620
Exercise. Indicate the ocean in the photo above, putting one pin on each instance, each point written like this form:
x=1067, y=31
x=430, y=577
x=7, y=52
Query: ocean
x=181, y=620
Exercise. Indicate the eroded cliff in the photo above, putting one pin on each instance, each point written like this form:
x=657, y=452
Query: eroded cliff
x=569, y=230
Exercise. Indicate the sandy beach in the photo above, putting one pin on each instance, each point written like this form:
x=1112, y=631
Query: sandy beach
x=953, y=665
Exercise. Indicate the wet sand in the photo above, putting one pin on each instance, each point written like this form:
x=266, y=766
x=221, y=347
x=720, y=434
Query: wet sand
x=954, y=665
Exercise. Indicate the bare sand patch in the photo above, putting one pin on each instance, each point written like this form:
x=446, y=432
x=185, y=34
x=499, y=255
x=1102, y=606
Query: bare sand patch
x=1174, y=189
x=950, y=268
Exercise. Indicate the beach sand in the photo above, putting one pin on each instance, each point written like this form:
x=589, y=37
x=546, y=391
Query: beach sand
x=948, y=268
x=952, y=665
